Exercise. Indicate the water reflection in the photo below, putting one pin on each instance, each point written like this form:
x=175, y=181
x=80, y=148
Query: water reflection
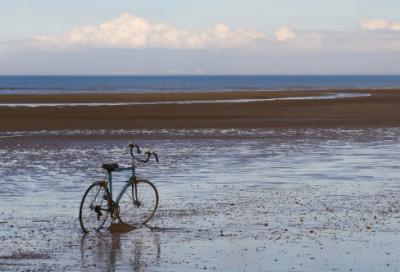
x=113, y=251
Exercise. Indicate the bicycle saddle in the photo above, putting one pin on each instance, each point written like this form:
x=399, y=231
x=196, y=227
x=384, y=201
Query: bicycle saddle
x=110, y=167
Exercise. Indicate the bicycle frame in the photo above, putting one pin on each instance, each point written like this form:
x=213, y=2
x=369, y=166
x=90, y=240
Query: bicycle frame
x=98, y=202
x=109, y=185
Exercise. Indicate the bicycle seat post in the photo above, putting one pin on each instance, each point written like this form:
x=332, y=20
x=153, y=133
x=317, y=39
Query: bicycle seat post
x=110, y=183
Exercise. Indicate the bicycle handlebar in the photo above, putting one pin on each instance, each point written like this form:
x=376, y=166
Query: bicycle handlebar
x=137, y=148
x=148, y=153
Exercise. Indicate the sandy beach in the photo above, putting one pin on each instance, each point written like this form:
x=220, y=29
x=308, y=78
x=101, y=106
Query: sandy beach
x=296, y=185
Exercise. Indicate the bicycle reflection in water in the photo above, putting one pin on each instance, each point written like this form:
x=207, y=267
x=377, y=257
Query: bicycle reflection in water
x=114, y=251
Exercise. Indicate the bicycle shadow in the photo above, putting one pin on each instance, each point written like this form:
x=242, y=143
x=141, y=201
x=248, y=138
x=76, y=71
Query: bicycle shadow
x=125, y=247
x=121, y=228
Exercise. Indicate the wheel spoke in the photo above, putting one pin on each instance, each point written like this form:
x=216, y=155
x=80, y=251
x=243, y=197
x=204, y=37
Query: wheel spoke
x=91, y=214
x=140, y=210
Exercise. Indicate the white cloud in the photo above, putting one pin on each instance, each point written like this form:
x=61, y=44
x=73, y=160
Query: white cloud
x=251, y=33
x=373, y=24
x=283, y=33
x=395, y=26
x=129, y=31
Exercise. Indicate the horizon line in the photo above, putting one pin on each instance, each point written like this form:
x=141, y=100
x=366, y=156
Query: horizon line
x=378, y=74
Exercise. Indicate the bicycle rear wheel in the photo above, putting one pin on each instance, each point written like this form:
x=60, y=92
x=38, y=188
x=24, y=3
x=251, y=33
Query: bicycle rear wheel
x=139, y=203
x=94, y=207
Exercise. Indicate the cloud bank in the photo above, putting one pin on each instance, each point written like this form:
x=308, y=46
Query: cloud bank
x=373, y=24
x=131, y=32
x=132, y=45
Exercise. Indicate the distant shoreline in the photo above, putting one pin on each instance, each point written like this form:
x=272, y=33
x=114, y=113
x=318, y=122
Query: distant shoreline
x=142, y=84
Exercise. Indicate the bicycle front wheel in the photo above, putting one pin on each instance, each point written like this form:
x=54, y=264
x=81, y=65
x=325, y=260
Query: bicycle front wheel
x=139, y=203
x=94, y=207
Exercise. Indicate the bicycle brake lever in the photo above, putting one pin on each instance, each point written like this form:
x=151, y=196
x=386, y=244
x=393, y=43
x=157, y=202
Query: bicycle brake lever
x=131, y=144
x=148, y=150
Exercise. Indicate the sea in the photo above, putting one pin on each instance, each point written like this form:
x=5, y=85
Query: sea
x=190, y=83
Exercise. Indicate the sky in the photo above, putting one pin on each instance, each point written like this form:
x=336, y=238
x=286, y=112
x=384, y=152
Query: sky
x=69, y=37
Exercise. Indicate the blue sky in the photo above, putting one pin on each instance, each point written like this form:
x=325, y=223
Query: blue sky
x=275, y=31
x=22, y=18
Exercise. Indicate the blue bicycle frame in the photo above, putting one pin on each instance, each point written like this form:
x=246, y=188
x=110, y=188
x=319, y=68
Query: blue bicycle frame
x=109, y=184
x=128, y=182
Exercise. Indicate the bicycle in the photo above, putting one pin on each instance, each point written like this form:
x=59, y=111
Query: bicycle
x=135, y=204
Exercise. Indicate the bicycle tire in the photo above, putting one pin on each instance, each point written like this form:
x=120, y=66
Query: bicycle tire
x=90, y=218
x=138, y=211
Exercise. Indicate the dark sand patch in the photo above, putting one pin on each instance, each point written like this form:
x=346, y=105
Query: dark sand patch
x=382, y=107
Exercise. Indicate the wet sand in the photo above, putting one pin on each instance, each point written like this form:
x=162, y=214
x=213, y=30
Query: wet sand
x=301, y=185
x=277, y=199
x=381, y=108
